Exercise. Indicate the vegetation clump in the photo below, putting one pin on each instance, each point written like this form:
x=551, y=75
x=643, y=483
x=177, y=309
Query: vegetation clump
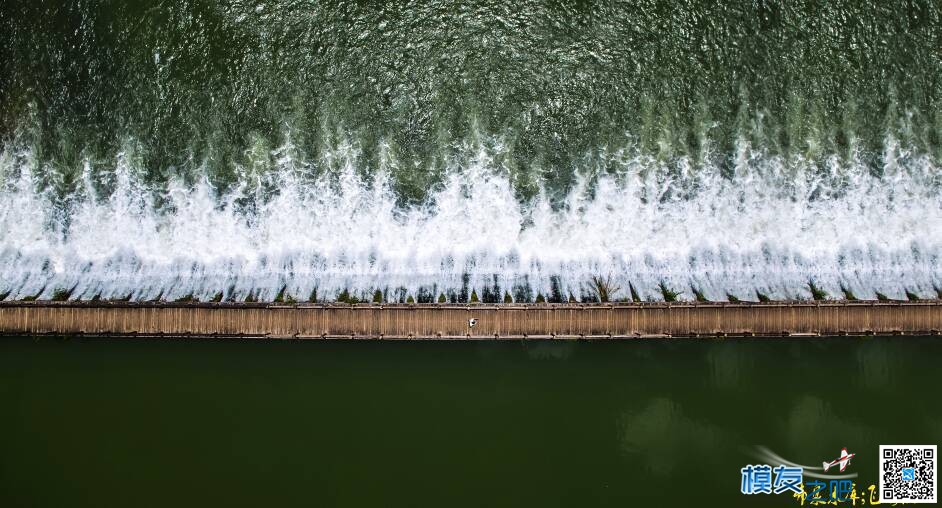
x=523, y=293
x=540, y=298
x=848, y=294
x=635, y=297
x=669, y=294
x=462, y=295
x=556, y=290
x=816, y=292
x=424, y=295
x=490, y=294
x=401, y=294
x=604, y=288
x=61, y=294
x=698, y=295
x=377, y=296
x=346, y=297
x=474, y=297
x=284, y=297
x=35, y=297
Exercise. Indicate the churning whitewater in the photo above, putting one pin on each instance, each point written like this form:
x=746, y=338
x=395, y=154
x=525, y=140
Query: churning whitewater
x=283, y=150
x=772, y=228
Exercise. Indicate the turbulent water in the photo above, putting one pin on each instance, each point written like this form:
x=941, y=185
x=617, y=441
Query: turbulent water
x=309, y=151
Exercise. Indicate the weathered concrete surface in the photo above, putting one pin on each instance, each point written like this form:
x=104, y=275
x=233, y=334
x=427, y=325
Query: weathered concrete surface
x=435, y=321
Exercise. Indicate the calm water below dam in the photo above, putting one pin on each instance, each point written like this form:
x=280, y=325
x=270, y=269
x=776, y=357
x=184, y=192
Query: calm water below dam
x=238, y=423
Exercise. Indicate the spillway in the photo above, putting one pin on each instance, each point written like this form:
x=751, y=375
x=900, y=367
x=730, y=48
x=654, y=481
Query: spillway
x=280, y=151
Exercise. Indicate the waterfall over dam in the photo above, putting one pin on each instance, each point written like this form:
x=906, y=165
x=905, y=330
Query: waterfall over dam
x=285, y=152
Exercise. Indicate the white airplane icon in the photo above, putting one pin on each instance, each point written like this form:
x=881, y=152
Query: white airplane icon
x=843, y=460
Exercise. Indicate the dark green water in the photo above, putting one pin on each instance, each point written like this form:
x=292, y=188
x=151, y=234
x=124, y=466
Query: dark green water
x=208, y=86
x=185, y=423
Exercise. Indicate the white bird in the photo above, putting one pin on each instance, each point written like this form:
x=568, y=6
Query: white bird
x=472, y=322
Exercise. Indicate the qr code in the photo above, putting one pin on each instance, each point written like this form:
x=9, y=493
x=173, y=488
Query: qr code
x=908, y=474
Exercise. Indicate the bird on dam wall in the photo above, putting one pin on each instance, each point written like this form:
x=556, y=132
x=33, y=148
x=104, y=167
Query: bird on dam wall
x=472, y=322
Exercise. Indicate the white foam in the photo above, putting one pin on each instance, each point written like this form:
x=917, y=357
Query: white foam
x=772, y=227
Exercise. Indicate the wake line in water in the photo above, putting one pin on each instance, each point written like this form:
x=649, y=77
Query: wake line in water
x=775, y=228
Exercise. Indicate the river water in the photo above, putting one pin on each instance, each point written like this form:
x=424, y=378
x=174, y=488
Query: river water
x=268, y=423
x=246, y=149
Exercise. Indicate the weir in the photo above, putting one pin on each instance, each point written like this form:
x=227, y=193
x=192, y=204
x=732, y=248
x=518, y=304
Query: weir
x=445, y=321
x=719, y=151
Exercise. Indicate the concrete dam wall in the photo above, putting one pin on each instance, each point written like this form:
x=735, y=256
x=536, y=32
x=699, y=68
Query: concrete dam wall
x=442, y=321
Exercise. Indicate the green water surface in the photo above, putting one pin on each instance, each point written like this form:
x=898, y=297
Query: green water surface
x=652, y=423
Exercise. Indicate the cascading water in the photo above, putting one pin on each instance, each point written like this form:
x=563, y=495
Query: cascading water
x=263, y=151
